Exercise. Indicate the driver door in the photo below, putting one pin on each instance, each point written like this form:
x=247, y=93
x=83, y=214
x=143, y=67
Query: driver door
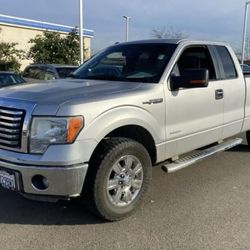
x=194, y=116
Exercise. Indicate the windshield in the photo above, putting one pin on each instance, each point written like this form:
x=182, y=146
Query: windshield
x=129, y=62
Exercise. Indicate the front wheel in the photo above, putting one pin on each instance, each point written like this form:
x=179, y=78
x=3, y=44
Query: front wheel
x=122, y=176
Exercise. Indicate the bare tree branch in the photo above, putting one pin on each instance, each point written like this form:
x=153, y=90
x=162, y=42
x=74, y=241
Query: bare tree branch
x=168, y=33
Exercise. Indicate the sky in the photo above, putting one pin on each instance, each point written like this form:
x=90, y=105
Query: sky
x=220, y=20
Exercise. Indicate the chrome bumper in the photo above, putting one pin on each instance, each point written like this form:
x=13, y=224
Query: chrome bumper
x=63, y=181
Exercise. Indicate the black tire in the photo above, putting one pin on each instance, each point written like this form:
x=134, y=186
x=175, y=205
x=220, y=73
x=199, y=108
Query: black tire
x=95, y=189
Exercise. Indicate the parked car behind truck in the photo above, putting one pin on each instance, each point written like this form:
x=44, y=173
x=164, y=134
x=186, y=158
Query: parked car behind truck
x=132, y=106
x=8, y=78
x=46, y=72
x=246, y=69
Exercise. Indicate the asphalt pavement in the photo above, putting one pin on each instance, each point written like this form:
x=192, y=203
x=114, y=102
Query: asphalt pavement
x=206, y=206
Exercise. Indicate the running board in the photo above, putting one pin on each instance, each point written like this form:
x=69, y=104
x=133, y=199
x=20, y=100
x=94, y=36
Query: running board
x=194, y=158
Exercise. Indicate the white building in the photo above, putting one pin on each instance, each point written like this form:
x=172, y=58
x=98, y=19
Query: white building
x=21, y=30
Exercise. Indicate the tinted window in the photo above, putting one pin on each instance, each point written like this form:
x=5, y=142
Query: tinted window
x=10, y=79
x=49, y=75
x=39, y=73
x=18, y=79
x=245, y=67
x=65, y=72
x=34, y=73
x=6, y=79
x=227, y=62
x=129, y=62
x=195, y=58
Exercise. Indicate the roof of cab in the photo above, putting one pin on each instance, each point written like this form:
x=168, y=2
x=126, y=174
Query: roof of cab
x=149, y=41
x=170, y=41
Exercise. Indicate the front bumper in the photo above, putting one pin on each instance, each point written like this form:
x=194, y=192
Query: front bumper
x=63, y=181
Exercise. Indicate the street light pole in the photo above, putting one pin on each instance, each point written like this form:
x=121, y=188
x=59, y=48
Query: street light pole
x=244, y=34
x=127, y=26
x=81, y=30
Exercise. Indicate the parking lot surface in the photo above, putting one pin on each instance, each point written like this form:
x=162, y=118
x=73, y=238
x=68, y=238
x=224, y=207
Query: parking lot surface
x=206, y=206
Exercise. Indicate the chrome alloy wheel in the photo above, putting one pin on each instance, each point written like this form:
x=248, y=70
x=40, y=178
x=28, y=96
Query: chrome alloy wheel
x=125, y=181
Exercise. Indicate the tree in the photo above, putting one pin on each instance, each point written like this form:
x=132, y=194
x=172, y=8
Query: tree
x=53, y=48
x=168, y=33
x=10, y=56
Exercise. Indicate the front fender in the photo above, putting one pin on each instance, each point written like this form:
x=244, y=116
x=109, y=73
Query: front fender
x=122, y=116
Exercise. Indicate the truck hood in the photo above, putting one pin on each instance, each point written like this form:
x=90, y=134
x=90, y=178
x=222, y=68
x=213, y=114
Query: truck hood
x=51, y=95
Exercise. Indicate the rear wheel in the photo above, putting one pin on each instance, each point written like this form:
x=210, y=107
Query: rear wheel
x=121, y=173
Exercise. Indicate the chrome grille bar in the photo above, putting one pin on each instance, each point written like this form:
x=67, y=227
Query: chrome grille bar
x=10, y=112
x=9, y=130
x=11, y=125
x=8, y=142
x=9, y=136
x=9, y=118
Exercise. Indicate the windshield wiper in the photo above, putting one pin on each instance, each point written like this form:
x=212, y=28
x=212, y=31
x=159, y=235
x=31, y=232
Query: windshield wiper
x=102, y=77
x=95, y=77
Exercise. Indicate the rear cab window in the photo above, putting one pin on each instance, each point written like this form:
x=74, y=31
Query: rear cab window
x=227, y=66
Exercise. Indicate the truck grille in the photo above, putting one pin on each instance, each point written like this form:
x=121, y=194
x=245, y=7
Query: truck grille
x=11, y=125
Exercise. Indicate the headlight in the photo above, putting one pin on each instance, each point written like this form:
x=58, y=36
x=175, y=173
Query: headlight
x=49, y=130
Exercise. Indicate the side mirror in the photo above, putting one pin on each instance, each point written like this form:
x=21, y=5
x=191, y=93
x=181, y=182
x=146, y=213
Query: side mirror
x=191, y=78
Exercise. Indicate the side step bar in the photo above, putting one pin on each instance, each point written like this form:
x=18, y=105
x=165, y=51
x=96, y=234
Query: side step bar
x=194, y=158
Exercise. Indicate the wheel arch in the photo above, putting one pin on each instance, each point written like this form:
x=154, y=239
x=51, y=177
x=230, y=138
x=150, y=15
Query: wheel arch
x=128, y=122
x=136, y=133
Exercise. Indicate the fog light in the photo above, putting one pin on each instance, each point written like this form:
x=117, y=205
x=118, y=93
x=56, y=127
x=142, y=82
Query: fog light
x=40, y=182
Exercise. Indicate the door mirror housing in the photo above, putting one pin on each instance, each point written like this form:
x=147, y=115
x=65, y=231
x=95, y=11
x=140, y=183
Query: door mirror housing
x=191, y=78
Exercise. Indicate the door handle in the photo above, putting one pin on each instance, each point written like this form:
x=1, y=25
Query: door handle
x=219, y=94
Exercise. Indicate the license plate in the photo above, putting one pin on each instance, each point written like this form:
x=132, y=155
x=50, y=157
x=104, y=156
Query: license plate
x=7, y=180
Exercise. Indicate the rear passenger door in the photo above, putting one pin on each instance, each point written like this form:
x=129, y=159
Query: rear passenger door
x=233, y=91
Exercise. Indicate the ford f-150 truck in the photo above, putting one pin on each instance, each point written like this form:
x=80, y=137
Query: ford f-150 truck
x=132, y=106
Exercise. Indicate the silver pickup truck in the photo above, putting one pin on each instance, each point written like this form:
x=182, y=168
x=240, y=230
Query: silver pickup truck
x=132, y=106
